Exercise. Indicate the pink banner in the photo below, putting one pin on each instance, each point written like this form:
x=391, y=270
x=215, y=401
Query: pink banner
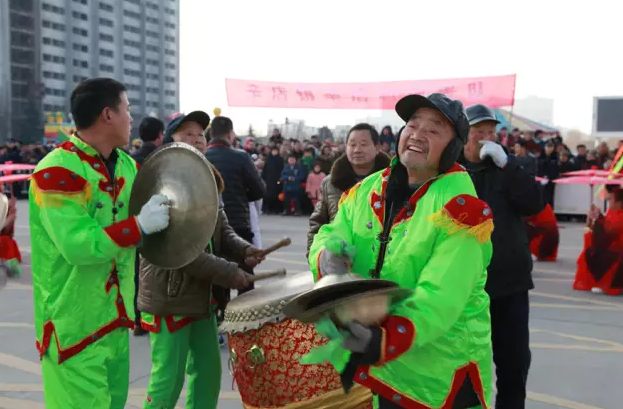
x=492, y=91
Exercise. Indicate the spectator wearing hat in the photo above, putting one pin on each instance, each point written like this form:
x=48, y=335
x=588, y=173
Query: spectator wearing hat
x=512, y=194
x=151, y=132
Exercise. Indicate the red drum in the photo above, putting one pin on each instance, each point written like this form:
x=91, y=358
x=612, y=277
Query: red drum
x=265, y=348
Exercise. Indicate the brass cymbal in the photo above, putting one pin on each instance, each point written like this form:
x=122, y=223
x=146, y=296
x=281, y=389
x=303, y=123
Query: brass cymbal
x=184, y=175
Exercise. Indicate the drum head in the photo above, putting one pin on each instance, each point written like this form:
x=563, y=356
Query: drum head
x=255, y=308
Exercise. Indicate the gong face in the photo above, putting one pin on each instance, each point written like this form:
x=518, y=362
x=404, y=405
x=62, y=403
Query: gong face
x=184, y=175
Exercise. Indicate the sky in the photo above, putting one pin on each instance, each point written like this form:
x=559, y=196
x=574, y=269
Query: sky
x=568, y=51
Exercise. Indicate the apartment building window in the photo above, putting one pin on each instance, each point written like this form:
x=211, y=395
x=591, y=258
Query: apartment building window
x=54, y=58
x=169, y=38
x=51, y=7
x=21, y=39
x=137, y=2
x=53, y=108
x=132, y=73
x=131, y=14
x=53, y=26
x=79, y=16
x=152, y=62
x=152, y=20
x=153, y=48
x=78, y=78
x=22, y=5
x=107, y=37
x=169, y=11
x=106, y=7
x=107, y=68
x=169, y=24
x=80, y=31
x=22, y=21
x=22, y=74
x=54, y=75
x=54, y=42
x=81, y=2
x=131, y=43
x=81, y=47
x=22, y=56
x=169, y=79
x=55, y=92
x=131, y=29
x=129, y=57
x=169, y=93
x=106, y=53
x=152, y=6
x=169, y=107
x=81, y=63
x=152, y=76
x=105, y=22
x=135, y=102
x=153, y=34
x=152, y=90
x=170, y=52
x=169, y=66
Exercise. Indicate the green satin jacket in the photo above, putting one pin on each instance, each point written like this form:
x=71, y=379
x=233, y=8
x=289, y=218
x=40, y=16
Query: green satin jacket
x=440, y=247
x=83, y=247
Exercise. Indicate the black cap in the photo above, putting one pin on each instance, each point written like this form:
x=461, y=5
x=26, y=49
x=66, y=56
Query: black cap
x=199, y=117
x=481, y=113
x=450, y=108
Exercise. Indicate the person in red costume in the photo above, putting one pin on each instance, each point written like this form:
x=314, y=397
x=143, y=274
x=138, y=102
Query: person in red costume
x=600, y=266
x=9, y=251
x=542, y=229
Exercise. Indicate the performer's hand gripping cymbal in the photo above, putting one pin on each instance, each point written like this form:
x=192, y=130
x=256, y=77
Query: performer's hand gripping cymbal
x=154, y=215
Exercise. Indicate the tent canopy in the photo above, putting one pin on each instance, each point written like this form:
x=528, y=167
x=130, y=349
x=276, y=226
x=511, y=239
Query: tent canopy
x=518, y=121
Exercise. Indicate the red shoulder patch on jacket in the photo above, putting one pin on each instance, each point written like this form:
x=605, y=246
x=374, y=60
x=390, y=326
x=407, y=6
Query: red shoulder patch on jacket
x=465, y=213
x=60, y=180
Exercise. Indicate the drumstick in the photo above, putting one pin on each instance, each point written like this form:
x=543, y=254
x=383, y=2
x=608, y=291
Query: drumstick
x=267, y=274
x=281, y=243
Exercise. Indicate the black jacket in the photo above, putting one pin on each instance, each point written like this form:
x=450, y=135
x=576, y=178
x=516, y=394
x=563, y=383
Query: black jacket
x=143, y=152
x=242, y=182
x=512, y=193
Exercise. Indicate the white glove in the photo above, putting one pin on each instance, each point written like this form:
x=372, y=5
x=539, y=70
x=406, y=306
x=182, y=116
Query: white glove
x=494, y=151
x=154, y=215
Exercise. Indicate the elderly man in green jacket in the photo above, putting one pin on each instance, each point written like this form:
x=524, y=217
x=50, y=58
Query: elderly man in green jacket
x=420, y=224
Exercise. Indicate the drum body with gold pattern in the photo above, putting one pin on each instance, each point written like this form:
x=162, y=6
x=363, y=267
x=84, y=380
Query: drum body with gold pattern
x=265, y=348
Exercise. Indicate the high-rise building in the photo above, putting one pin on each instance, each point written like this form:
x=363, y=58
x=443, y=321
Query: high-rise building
x=133, y=41
x=20, y=85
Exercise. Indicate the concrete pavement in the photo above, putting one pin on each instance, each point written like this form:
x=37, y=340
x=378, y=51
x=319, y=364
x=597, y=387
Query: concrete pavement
x=577, y=338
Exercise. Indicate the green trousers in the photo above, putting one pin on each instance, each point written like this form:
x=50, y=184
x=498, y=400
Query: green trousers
x=192, y=350
x=96, y=378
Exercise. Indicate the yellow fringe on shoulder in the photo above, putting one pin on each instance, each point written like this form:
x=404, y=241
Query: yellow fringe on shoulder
x=443, y=220
x=56, y=198
x=349, y=194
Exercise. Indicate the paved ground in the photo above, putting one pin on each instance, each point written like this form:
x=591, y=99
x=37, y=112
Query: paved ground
x=577, y=338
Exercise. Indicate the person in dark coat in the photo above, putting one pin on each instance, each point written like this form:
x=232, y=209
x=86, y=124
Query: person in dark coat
x=512, y=193
x=243, y=183
x=271, y=173
x=151, y=132
x=548, y=169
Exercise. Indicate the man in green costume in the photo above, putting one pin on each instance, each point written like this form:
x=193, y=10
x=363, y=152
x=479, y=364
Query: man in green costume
x=419, y=223
x=83, y=249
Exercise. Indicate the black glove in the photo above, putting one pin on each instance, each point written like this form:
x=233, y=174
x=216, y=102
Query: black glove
x=365, y=345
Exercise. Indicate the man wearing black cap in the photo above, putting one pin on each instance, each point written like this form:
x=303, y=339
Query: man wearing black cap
x=419, y=223
x=512, y=194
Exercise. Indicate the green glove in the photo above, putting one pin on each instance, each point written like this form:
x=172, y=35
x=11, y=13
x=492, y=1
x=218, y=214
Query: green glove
x=340, y=248
x=15, y=268
x=333, y=352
